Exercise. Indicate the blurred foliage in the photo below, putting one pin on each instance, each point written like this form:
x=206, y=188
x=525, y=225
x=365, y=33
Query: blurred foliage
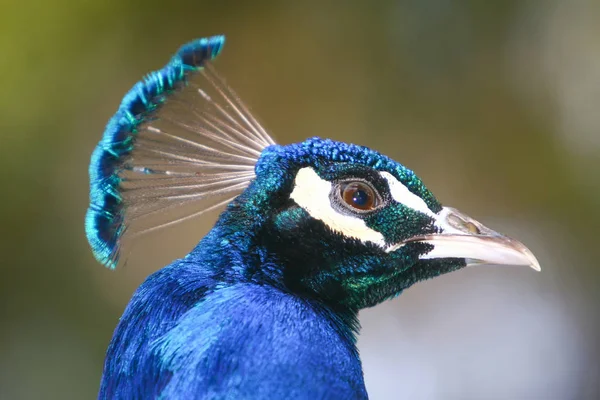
x=436, y=83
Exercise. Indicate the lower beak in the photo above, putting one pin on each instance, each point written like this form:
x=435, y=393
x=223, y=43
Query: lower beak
x=466, y=238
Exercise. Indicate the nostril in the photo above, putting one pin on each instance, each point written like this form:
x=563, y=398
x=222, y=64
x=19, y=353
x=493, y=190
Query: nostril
x=461, y=224
x=472, y=228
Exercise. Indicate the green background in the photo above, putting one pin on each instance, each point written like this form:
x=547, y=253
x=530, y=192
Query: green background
x=493, y=103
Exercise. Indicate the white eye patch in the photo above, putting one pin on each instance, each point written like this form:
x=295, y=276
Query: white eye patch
x=402, y=195
x=311, y=192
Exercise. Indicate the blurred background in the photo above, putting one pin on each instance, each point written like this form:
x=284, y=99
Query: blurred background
x=494, y=104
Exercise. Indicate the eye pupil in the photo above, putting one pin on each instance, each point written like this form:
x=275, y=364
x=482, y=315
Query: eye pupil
x=360, y=198
x=359, y=195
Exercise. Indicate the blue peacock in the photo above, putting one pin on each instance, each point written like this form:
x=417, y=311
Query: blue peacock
x=265, y=306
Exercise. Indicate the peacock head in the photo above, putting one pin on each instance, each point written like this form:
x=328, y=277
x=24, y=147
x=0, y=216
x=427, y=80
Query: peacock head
x=333, y=221
x=352, y=227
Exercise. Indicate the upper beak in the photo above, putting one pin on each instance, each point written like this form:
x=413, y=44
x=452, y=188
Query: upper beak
x=463, y=237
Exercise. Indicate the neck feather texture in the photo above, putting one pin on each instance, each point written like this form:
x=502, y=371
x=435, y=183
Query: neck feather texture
x=217, y=324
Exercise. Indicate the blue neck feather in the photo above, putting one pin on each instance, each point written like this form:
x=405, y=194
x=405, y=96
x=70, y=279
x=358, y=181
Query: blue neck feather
x=213, y=324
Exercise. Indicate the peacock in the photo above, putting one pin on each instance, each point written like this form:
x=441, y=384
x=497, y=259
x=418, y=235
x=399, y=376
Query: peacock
x=265, y=306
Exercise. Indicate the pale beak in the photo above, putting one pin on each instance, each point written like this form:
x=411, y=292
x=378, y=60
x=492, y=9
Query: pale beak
x=463, y=237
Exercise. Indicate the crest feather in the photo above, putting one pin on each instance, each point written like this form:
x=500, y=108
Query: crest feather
x=182, y=143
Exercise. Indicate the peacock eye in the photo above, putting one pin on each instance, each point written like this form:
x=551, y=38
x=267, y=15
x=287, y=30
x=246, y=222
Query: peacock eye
x=359, y=195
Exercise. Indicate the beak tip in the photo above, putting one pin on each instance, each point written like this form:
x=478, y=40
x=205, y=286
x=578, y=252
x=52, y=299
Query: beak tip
x=533, y=262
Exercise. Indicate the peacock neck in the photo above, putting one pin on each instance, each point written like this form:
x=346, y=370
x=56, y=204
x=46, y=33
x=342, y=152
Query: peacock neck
x=270, y=340
x=235, y=255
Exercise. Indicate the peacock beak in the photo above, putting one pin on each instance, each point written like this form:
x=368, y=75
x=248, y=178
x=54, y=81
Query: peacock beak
x=463, y=237
x=480, y=249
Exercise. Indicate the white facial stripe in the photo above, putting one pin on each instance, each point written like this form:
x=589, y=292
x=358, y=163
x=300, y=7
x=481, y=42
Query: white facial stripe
x=312, y=194
x=402, y=195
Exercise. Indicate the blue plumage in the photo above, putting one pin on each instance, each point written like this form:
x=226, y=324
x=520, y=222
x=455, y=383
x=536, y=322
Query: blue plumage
x=266, y=305
x=215, y=346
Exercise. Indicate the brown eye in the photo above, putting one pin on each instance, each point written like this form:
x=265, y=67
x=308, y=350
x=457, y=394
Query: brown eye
x=359, y=195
